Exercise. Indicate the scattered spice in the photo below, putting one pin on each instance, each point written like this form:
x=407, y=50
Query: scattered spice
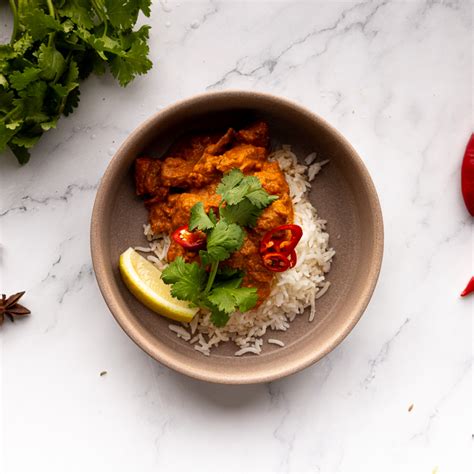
x=410, y=408
x=11, y=308
x=104, y=372
x=469, y=288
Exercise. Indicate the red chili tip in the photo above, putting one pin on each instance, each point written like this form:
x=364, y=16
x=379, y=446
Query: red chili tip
x=469, y=288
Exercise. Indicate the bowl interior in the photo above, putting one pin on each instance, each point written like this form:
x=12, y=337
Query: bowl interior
x=342, y=193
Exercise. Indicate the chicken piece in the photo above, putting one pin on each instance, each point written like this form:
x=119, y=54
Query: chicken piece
x=176, y=250
x=245, y=157
x=147, y=176
x=280, y=212
x=175, y=172
x=257, y=134
x=223, y=143
x=159, y=218
x=191, y=147
x=181, y=204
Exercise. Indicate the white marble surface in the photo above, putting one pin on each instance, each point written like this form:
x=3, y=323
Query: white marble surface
x=395, y=77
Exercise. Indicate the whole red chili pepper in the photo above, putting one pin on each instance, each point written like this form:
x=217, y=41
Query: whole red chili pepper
x=469, y=288
x=190, y=240
x=467, y=176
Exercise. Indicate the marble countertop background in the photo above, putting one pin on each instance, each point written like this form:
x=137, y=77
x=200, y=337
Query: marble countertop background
x=396, y=78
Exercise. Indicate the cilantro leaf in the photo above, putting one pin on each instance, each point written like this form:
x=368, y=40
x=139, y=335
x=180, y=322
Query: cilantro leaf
x=228, y=283
x=72, y=101
x=224, y=239
x=26, y=141
x=6, y=100
x=244, y=213
x=51, y=62
x=219, y=318
x=21, y=45
x=36, y=22
x=145, y=6
x=134, y=61
x=199, y=219
x=79, y=11
x=122, y=13
x=19, y=80
x=229, y=181
x=260, y=198
x=21, y=153
x=235, y=187
x=5, y=135
x=187, y=279
x=229, y=299
x=212, y=216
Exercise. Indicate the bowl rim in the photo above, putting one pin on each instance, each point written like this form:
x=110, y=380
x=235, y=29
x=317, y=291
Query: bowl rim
x=141, y=337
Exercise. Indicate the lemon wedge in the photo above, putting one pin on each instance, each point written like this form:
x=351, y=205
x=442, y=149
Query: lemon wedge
x=143, y=279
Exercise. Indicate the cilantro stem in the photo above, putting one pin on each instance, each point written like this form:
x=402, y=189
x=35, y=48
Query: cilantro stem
x=15, y=20
x=51, y=8
x=212, y=277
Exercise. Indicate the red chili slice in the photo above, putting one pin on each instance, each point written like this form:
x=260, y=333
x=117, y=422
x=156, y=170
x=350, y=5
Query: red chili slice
x=195, y=240
x=276, y=261
x=292, y=258
x=467, y=176
x=281, y=239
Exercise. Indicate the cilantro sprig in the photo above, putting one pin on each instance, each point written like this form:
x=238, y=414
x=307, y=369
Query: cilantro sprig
x=54, y=45
x=206, y=285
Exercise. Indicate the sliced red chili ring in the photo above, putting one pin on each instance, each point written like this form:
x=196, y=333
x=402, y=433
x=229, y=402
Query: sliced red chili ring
x=195, y=240
x=292, y=258
x=276, y=261
x=278, y=240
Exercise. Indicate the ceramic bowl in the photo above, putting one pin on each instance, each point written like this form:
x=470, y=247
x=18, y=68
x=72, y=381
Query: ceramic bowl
x=343, y=194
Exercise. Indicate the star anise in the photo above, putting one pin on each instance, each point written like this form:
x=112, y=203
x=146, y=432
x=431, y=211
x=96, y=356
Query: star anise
x=11, y=308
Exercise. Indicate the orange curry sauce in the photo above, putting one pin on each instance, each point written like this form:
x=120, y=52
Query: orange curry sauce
x=190, y=172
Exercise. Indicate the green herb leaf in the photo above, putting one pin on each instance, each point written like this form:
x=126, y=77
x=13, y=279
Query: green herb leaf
x=134, y=61
x=219, y=318
x=51, y=62
x=122, y=13
x=37, y=23
x=199, y=219
x=260, y=198
x=229, y=299
x=19, y=80
x=224, y=239
x=244, y=213
x=79, y=11
x=229, y=181
x=187, y=279
x=21, y=153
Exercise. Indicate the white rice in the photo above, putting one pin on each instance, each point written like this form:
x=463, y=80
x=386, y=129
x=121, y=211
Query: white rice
x=294, y=290
x=277, y=342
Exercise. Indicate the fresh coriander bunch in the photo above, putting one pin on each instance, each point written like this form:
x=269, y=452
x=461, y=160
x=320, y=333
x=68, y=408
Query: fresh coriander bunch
x=54, y=45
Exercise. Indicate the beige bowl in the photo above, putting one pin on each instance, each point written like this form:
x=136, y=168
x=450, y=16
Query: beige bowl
x=343, y=194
